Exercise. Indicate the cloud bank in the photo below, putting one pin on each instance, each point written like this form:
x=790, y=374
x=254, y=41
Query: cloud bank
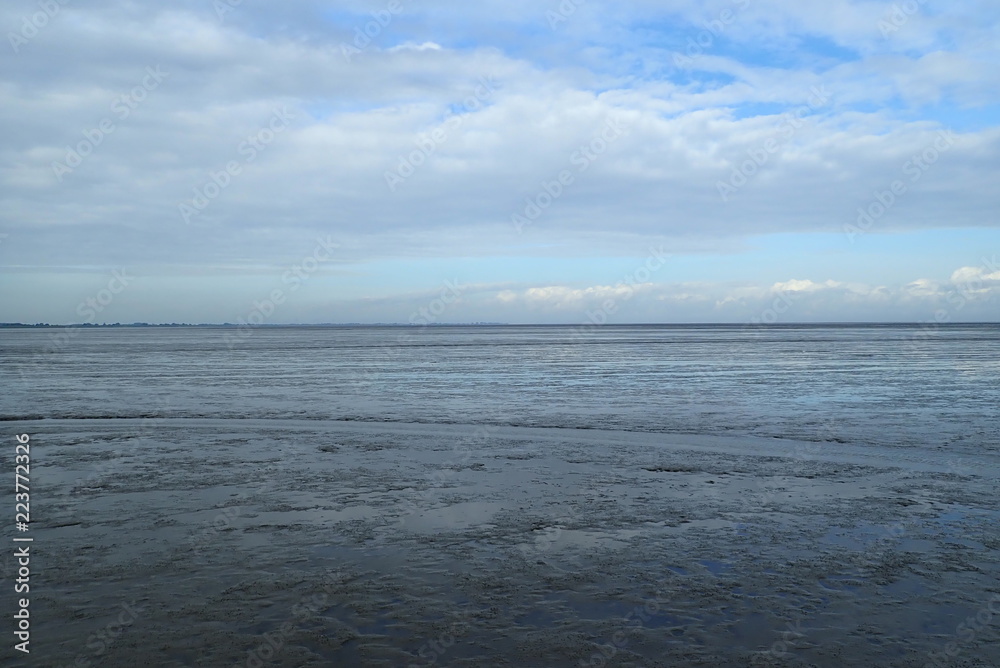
x=198, y=138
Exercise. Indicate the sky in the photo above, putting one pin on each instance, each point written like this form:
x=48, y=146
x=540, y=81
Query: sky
x=577, y=162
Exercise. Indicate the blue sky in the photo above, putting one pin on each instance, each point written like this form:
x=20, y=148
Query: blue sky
x=502, y=161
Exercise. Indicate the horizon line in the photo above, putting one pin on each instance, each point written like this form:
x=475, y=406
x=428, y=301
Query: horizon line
x=229, y=325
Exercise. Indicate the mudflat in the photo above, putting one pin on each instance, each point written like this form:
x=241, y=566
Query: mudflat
x=242, y=542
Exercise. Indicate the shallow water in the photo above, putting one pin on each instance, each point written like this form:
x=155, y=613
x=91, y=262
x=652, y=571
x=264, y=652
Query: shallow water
x=884, y=385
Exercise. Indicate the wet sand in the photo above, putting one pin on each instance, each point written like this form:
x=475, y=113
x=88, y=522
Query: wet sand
x=185, y=542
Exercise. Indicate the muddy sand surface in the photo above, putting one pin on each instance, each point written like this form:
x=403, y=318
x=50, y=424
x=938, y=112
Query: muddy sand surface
x=202, y=542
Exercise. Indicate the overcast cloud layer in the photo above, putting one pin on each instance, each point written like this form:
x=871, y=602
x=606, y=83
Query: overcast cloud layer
x=396, y=161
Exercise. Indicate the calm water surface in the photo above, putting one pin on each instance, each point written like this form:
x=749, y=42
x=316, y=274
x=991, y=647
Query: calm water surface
x=883, y=385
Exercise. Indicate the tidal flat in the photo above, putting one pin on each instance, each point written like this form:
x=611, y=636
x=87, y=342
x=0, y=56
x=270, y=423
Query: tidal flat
x=285, y=542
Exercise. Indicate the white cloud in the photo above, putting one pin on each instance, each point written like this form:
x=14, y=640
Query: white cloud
x=971, y=294
x=409, y=46
x=986, y=276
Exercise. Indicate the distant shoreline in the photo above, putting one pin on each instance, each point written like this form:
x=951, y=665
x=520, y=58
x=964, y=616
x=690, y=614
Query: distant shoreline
x=358, y=325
